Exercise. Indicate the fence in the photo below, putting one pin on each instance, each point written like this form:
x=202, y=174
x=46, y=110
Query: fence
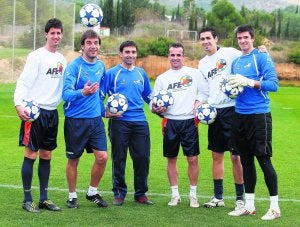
x=22, y=30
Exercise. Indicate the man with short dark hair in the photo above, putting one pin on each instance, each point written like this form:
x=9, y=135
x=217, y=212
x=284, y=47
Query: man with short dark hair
x=129, y=130
x=41, y=81
x=84, y=128
x=252, y=125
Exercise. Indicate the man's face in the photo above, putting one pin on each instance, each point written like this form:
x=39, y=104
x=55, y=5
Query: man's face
x=245, y=41
x=176, y=57
x=91, y=48
x=54, y=37
x=208, y=42
x=128, y=55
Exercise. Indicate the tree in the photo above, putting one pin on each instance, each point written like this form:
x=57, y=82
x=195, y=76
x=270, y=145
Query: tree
x=224, y=17
x=108, y=14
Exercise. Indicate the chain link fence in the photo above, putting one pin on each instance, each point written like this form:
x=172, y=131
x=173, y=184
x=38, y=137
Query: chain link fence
x=22, y=25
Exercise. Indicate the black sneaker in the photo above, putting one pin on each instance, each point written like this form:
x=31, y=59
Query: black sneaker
x=97, y=199
x=73, y=203
x=48, y=205
x=31, y=207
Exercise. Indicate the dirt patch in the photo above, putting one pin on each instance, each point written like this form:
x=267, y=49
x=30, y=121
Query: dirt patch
x=154, y=65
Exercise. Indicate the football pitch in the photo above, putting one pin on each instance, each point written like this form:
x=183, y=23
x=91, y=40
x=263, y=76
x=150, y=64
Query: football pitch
x=285, y=106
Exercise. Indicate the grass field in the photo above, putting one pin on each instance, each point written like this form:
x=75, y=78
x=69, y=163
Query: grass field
x=286, y=129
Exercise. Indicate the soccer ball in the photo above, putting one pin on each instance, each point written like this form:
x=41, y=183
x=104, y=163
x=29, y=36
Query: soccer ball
x=90, y=15
x=206, y=114
x=163, y=98
x=117, y=103
x=32, y=108
x=231, y=92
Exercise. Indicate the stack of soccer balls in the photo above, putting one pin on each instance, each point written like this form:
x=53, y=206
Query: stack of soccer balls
x=91, y=15
x=231, y=92
x=32, y=108
x=206, y=114
x=163, y=98
x=117, y=103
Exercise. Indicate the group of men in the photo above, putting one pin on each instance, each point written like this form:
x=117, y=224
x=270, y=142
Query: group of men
x=243, y=126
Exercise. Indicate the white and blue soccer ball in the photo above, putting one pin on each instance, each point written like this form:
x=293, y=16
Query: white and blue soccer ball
x=206, y=113
x=117, y=103
x=91, y=15
x=163, y=98
x=32, y=108
x=231, y=92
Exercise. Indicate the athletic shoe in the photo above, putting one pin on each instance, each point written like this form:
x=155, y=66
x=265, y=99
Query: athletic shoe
x=144, y=200
x=241, y=212
x=118, y=202
x=174, y=201
x=97, y=199
x=271, y=215
x=31, y=207
x=48, y=205
x=193, y=202
x=214, y=202
x=73, y=203
x=239, y=204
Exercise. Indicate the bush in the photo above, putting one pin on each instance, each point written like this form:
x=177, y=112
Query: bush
x=294, y=56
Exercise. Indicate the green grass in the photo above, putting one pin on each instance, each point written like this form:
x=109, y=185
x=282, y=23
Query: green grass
x=286, y=114
x=19, y=52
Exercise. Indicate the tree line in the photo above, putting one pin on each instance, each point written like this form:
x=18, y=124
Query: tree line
x=281, y=23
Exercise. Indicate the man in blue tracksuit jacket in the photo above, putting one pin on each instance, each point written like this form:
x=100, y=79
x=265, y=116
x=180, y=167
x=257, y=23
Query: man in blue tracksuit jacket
x=130, y=130
x=252, y=125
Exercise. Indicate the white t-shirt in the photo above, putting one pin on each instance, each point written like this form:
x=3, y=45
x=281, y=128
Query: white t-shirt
x=41, y=79
x=184, y=85
x=213, y=69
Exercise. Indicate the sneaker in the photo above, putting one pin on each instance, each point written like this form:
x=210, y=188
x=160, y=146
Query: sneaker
x=97, y=199
x=144, y=200
x=239, y=204
x=271, y=215
x=118, y=202
x=193, y=202
x=175, y=201
x=214, y=202
x=241, y=212
x=48, y=205
x=73, y=203
x=30, y=206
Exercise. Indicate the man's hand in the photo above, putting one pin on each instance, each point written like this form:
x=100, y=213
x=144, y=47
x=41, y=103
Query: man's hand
x=239, y=80
x=89, y=88
x=158, y=110
x=22, y=113
x=108, y=114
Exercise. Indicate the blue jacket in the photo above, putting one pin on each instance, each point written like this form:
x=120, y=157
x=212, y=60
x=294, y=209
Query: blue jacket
x=260, y=67
x=133, y=84
x=77, y=73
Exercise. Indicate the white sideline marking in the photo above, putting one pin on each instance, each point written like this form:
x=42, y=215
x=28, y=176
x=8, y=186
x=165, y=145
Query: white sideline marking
x=152, y=194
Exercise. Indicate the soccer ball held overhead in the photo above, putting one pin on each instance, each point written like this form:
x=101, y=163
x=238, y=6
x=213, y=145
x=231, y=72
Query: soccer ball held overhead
x=91, y=15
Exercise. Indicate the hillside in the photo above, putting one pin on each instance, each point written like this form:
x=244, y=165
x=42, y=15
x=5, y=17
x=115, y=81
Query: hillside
x=269, y=5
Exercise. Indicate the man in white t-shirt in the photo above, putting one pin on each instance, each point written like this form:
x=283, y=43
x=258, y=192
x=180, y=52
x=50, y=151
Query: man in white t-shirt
x=213, y=68
x=180, y=128
x=41, y=81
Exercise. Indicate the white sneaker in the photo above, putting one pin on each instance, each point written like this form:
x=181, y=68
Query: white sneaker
x=271, y=215
x=214, y=202
x=239, y=204
x=193, y=202
x=242, y=211
x=175, y=201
